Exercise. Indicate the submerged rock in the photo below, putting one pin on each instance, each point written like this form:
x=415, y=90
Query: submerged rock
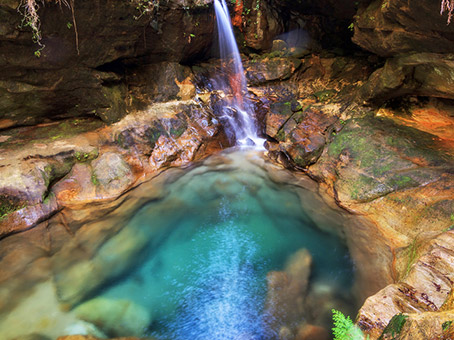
x=33, y=336
x=115, y=317
x=284, y=305
x=312, y=332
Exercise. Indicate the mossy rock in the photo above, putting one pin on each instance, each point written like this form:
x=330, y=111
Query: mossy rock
x=394, y=327
x=384, y=157
x=9, y=204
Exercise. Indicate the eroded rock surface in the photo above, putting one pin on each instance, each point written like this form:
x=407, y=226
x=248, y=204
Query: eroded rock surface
x=81, y=70
x=389, y=28
x=422, y=74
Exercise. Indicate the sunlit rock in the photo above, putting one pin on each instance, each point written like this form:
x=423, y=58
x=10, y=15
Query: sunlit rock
x=77, y=186
x=115, y=317
x=301, y=133
x=413, y=293
x=260, y=71
x=111, y=174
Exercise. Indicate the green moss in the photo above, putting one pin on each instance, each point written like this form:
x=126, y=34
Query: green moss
x=83, y=157
x=325, y=95
x=394, y=327
x=400, y=182
x=8, y=205
x=176, y=132
x=382, y=169
x=412, y=251
x=446, y=325
x=280, y=136
x=360, y=186
x=94, y=179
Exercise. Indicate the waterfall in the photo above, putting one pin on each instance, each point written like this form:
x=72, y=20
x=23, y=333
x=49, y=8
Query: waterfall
x=238, y=116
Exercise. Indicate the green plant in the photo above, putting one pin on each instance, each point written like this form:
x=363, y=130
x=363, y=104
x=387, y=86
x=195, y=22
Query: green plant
x=29, y=10
x=81, y=156
x=394, y=327
x=145, y=7
x=411, y=251
x=351, y=27
x=94, y=179
x=344, y=328
x=446, y=325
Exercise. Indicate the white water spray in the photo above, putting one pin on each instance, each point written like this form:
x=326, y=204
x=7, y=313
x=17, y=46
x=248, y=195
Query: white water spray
x=238, y=116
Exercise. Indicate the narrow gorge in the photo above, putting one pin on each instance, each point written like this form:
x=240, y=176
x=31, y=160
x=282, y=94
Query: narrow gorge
x=243, y=169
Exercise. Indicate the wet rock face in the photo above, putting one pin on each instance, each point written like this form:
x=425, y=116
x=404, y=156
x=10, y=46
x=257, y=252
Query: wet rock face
x=76, y=161
x=84, y=76
x=388, y=28
x=269, y=69
x=366, y=165
x=386, y=171
x=259, y=24
x=160, y=82
x=300, y=132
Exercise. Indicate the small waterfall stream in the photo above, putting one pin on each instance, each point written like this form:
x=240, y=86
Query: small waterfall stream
x=238, y=116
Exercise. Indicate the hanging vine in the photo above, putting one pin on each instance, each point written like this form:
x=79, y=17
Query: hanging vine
x=30, y=18
x=448, y=6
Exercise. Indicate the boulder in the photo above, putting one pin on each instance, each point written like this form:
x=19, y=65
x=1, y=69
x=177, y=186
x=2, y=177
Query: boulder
x=301, y=133
x=312, y=332
x=284, y=305
x=260, y=71
x=428, y=325
x=111, y=174
x=398, y=178
x=421, y=74
x=425, y=289
x=115, y=317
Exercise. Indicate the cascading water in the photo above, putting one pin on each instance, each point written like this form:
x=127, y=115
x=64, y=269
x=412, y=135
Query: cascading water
x=238, y=116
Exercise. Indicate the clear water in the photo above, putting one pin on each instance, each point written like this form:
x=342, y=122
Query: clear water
x=238, y=116
x=220, y=230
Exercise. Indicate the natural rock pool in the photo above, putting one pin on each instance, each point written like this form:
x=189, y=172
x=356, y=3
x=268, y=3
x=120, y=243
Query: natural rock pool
x=225, y=250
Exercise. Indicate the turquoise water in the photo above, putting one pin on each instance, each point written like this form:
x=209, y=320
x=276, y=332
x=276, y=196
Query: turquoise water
x=222, y=227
